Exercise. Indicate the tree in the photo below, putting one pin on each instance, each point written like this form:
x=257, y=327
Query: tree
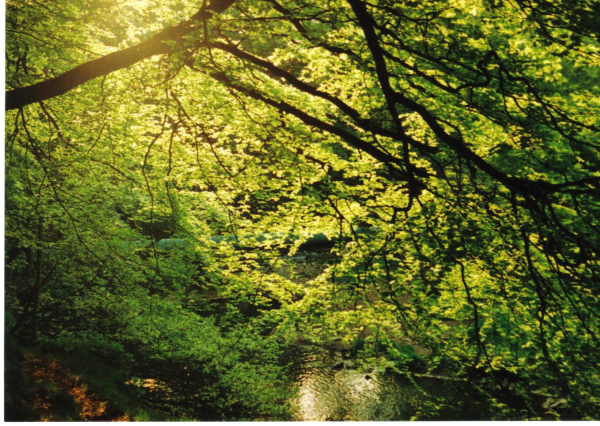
x=450, y=148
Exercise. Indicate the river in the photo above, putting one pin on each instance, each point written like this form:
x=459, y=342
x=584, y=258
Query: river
x=332, y=387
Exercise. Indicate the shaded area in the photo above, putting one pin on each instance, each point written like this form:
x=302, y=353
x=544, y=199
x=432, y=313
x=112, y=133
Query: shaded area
x=68, y=387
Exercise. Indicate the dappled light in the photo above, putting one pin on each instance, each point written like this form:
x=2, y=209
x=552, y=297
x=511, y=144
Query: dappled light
x=294, y=210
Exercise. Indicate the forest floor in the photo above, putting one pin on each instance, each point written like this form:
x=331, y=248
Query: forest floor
x=50, y=379
x=69, y=386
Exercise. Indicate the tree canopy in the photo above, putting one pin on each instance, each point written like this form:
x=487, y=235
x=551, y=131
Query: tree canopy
x=165, y=158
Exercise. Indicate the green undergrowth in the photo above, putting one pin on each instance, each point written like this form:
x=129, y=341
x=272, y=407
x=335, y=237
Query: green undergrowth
x=398, y=353
x=109, y=383
x=46, y=398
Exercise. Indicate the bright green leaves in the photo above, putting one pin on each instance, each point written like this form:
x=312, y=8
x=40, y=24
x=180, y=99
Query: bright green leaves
x=244, y=159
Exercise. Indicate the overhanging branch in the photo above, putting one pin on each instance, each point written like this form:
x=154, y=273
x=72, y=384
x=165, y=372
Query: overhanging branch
x=115, y=61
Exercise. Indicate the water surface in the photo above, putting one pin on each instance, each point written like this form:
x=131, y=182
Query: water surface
x=332, y=387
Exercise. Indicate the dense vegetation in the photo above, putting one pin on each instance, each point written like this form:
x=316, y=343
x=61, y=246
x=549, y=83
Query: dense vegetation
x=166, y=159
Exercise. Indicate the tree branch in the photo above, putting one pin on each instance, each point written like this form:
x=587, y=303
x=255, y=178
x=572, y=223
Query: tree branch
x=115, y=61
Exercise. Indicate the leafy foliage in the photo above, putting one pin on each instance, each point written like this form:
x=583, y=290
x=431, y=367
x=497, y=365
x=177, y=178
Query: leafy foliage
x=450, y=149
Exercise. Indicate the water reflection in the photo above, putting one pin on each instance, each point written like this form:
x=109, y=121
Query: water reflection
x=330, y=388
